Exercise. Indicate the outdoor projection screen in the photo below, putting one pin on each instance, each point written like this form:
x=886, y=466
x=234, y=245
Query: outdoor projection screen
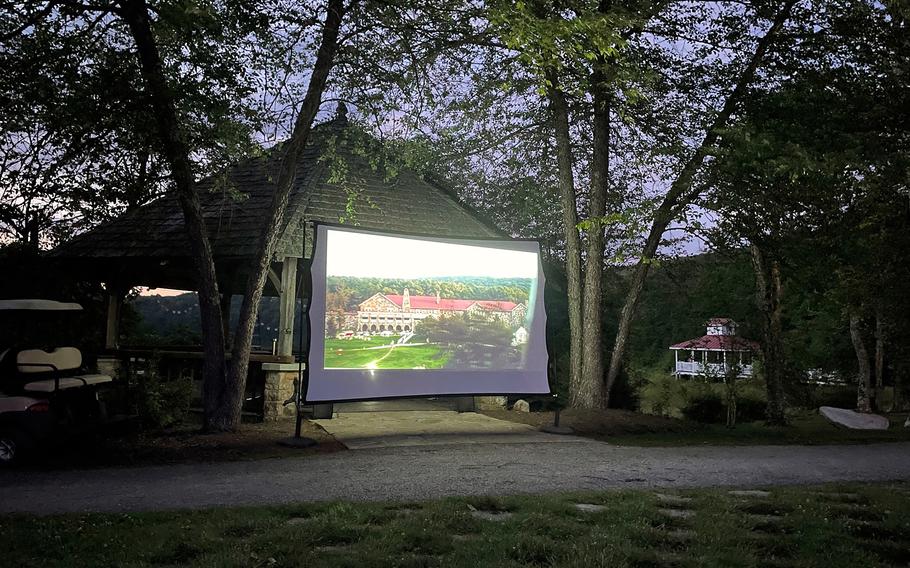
x=397, y=316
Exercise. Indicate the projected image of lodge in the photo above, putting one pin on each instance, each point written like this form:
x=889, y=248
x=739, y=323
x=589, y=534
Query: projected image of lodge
x=402, y=303
x=405, y=331
x=398, y=315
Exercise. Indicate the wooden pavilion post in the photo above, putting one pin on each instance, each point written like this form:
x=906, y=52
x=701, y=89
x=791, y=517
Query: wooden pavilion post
x=280, y=377
x=112, y=329
x=287, y=304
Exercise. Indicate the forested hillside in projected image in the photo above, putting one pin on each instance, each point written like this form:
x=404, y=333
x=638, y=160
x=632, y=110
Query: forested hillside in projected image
x=465, y=287
x=426, y=323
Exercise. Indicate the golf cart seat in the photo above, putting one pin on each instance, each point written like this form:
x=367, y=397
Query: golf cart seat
x=63, y=363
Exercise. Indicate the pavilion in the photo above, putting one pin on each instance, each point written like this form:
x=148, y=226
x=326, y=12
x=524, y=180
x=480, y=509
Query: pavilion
x=148, y=246
x=716, y=353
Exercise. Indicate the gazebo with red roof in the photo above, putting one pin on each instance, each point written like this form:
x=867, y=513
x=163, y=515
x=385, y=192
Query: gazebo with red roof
x=716, y=353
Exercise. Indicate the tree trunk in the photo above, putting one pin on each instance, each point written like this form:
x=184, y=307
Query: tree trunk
x=864, y=382
x=730, y=378
x=591, y=386
x=135, y=13
x=228, y=415
x=681, y=194
x=768, y=300
x=570, y=228
x=879, y=376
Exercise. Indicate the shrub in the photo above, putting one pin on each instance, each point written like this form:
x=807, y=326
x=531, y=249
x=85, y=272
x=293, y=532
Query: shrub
x=162, y=403
x=661, y=394
x=624, y=394
x=705, y=405
x=751, y=400
x=750, y=408
x=840, y=396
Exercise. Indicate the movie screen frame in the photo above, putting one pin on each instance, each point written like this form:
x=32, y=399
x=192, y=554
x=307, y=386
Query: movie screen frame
x=468, y=317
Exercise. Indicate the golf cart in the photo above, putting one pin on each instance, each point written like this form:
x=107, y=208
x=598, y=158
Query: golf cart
x=45, y=393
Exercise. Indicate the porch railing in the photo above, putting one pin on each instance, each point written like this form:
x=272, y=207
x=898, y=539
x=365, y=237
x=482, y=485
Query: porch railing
x=709, y=369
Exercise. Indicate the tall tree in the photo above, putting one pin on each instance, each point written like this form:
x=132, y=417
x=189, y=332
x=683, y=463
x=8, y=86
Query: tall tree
x=228, y=415
x=224, y=389
x=177, y=152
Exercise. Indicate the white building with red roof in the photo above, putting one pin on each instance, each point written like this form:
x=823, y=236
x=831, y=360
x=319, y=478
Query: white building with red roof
x=399, y=313
x=715, y=353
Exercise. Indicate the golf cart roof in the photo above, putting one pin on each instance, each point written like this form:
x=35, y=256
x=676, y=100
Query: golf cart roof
x=40, y=305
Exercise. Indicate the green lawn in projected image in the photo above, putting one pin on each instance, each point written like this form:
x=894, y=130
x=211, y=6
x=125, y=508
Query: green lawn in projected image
x=360, y=354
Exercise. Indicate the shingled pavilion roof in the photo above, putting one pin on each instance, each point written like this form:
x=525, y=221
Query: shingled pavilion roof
x=153, y=235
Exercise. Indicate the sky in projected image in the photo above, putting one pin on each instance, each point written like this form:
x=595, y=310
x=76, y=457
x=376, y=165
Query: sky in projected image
x=379, y=256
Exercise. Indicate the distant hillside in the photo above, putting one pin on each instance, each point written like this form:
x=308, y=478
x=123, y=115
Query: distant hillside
x=174, y=320
x=465, y=288
x=680, y=294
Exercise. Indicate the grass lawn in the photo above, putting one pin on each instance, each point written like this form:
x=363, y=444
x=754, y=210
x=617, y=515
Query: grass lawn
x=356, y=343
x=808, y=428
x=832, y=526
x=399, y=357
x=635, y=429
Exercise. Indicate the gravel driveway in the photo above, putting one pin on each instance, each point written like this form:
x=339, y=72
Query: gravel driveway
x=423, y=472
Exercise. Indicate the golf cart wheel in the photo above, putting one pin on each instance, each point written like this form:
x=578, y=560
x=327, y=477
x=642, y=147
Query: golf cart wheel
x=10, y=449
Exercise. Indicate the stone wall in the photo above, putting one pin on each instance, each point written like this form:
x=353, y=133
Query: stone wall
x=109, y=366
x=279, y=387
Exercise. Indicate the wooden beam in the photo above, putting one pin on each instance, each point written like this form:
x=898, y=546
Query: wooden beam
x=287, y=302
x=112, y=331
x=275, y=280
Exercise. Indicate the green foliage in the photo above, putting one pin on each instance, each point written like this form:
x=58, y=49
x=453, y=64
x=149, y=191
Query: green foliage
x=161, y=403
x=679, y=297
x=475, y=341
x=552, y=42
x=839, y=396
x=707, y=402
x=78, y=142
x=662, y=394
x=704, y=405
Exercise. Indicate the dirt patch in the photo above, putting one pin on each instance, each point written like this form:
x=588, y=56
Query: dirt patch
x=597, y=424
x=186, y=444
